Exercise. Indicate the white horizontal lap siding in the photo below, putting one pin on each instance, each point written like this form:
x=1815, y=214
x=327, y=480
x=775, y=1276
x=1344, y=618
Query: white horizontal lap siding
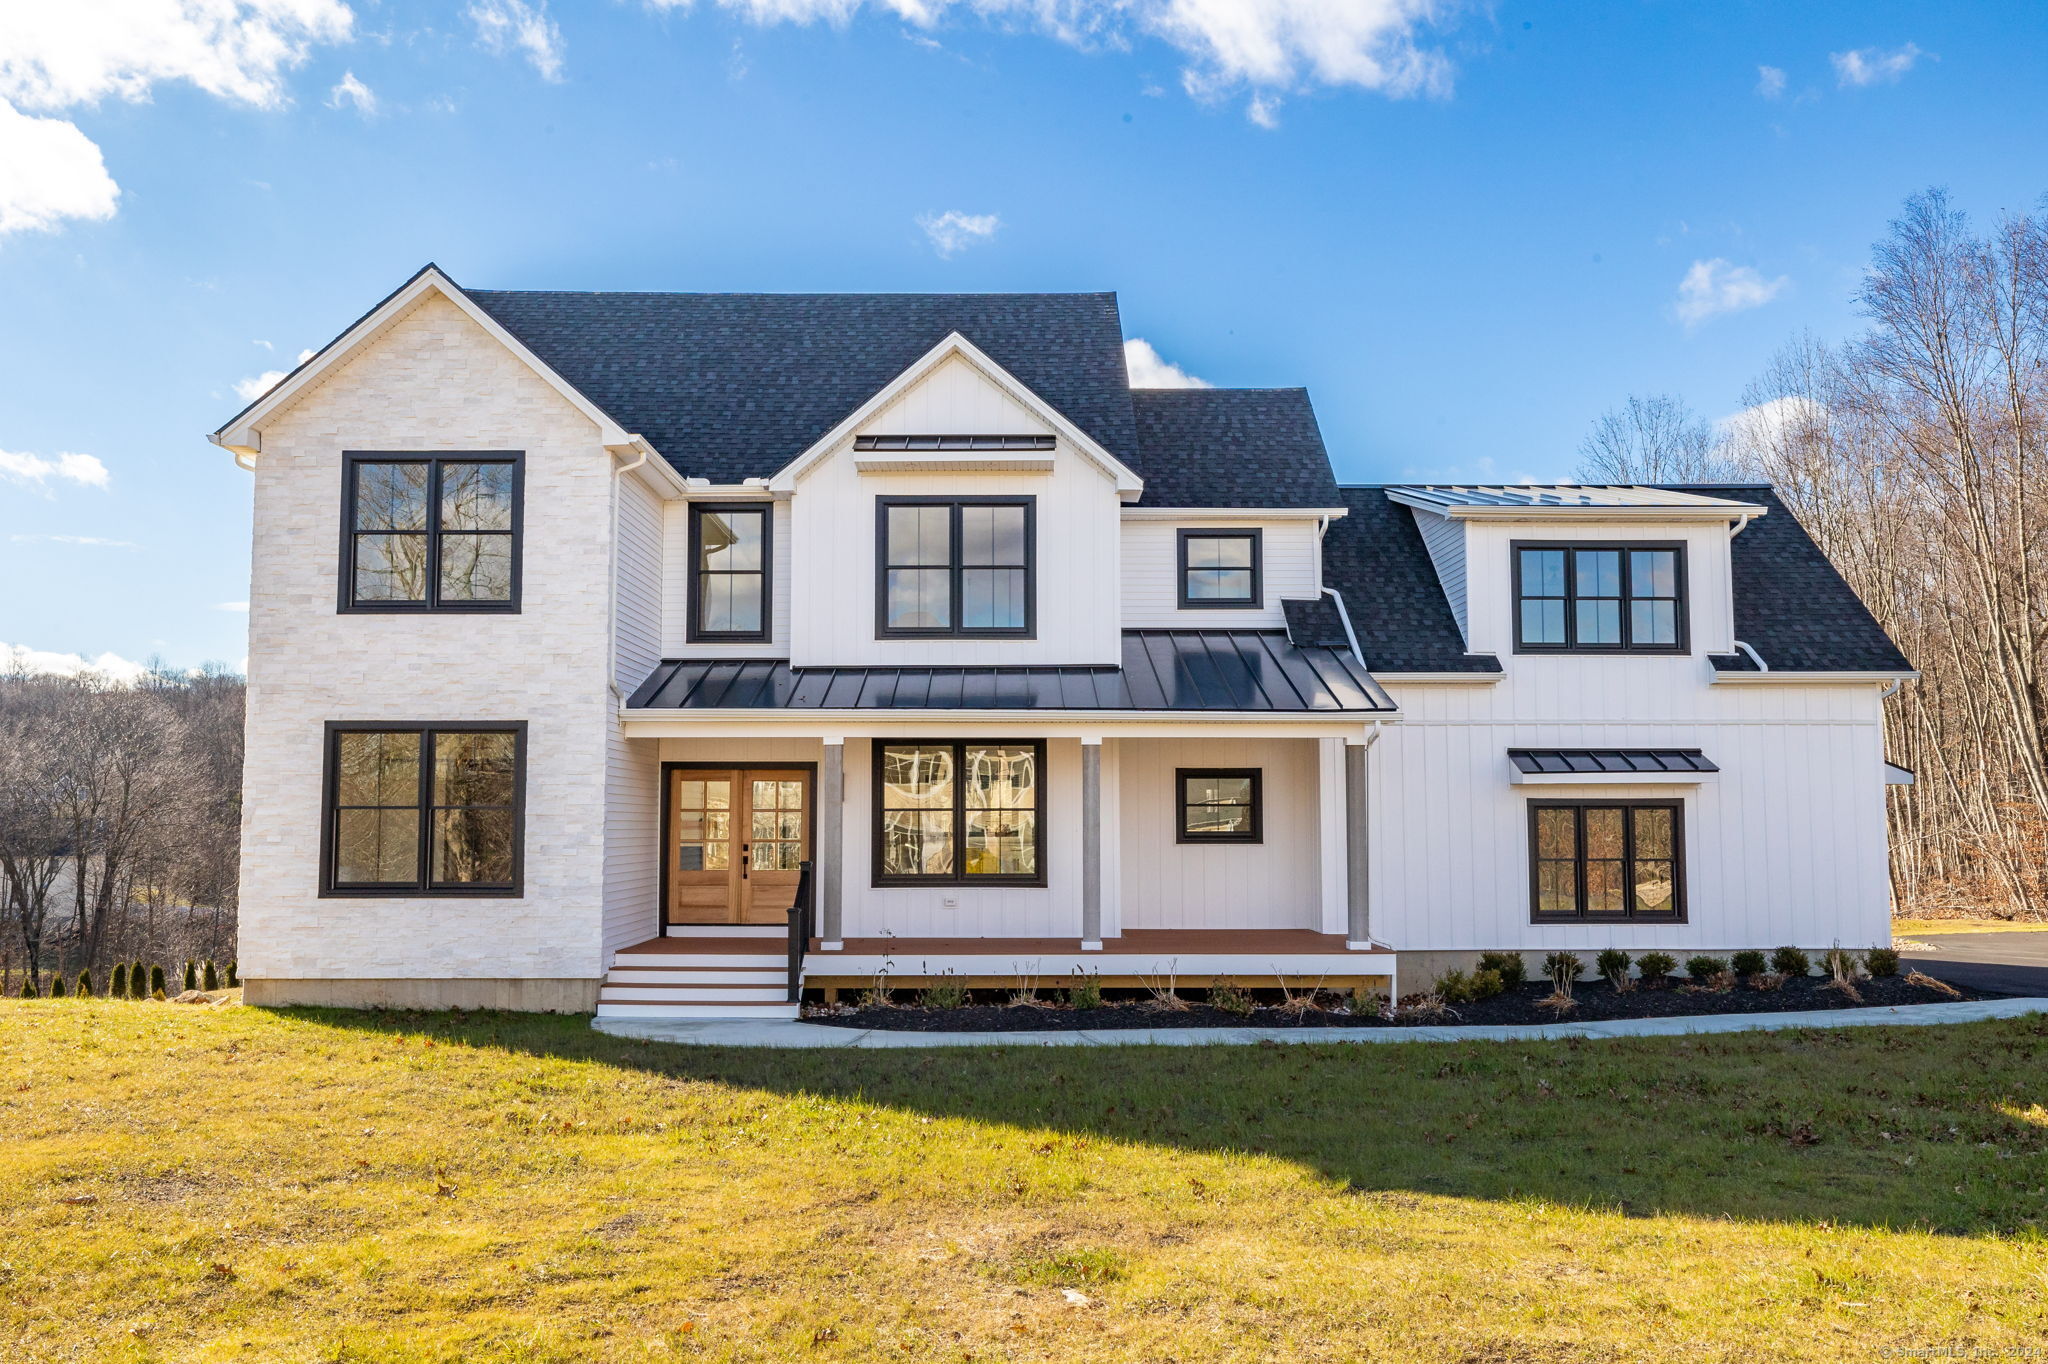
x=1169, y=884
x=632, y=843
x=1151, y=575
x=433, y=382
x=1050, y=911
x=640, y=592
x=677, y=581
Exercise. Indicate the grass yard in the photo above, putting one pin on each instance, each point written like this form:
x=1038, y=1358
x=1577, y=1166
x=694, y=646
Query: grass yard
x=239, y=1184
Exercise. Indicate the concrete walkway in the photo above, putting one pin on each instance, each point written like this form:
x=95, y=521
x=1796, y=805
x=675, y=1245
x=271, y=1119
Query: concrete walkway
x=749, y=1034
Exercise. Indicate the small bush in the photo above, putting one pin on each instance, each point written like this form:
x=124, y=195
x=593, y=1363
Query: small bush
x=156, y=982
x=1425, y=1008
x=191, y=975
x=1703, y=969
x=1513, y=970
x=84, y=987
x=878, y=995
x=1790, y=961
x=119, y=989
x=1487, y=984
x=1613, y=964
x=1368, y=1003
x=1750, y=963
x=1768, y=980
x=28, y=987
x=1881, y=961
x=1840, y=964
x=1455, y=987
x=1564, y=970
x=1086, y=993
x=210, y=978
x=233, y=982
x=56, y=985
x=1655, y=967
x=947, y=994
x=1226, y=995
x=138, y=981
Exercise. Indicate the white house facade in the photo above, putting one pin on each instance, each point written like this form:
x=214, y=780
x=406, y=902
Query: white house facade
x=671, y=654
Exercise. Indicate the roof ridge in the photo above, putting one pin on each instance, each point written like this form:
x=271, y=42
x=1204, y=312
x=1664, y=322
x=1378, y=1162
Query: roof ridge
x=799, y=294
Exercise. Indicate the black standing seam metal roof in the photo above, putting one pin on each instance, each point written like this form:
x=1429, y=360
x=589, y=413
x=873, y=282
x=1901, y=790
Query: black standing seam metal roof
x=1564, y=761
x=1163, y=670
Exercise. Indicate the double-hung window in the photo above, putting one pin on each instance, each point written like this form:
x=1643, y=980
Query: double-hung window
x=1606, y=860
x=960, y=814
x=423, y=809
x=730, y=557
x=1601, y=598
x=430, y=532
x=1219, y=568
x=958, y=566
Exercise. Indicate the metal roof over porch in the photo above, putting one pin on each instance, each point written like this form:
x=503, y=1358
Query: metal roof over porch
x=1163, y=670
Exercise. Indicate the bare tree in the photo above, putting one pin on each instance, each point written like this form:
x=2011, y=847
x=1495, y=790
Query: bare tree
x=1654, y=439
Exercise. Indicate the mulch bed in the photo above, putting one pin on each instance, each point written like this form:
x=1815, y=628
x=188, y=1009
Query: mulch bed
x=1597, y=1002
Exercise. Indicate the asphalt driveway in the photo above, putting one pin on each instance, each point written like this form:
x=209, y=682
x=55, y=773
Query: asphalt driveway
x=1999, y=963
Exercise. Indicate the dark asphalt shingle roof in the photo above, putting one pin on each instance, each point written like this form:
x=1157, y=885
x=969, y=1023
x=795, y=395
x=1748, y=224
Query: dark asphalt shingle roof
x=734, y=386
x=1313, y=622
x=1231, y=447
x=1376, y=558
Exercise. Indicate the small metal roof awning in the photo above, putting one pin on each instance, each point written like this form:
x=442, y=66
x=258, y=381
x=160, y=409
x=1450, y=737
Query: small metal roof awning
x=1560, y=766
x=1163, y=670
x=1895, y=775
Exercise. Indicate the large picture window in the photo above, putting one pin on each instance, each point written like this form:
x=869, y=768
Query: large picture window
x=955, y=566
x=1219, y=804
x=430, y=532
x=1599, y=598
x=1606, y=860
x=965, y=814
x=730, y=554
x=424, y=809
x=1219, y=568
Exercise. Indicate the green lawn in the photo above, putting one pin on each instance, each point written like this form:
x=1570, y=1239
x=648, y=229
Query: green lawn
x=241, y=1184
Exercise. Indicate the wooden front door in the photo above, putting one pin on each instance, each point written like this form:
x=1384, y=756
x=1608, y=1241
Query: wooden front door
x=736, y=837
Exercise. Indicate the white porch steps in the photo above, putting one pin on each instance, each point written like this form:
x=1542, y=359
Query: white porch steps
x=717, y=971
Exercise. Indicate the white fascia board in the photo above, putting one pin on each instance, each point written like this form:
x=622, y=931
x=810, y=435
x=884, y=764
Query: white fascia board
x=1520, y=778
x=1234, y=513
x=1780, y=677
x=243, y=433
x=1127, y=481
x=689, y=724
x=951, y=462
x=1576, y=515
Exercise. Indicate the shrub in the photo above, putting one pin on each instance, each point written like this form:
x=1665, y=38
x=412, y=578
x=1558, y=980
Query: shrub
x=1455, y=987
x=1790, y=961
x=138, y=982
x=1613, y=964
x=1369, y=1003
x=1513, y=970
x=1750, y=963
x=1840, y=964
x=1655, y=966
x=1487, y=984
x=1086, y=993
x=1768, y=980
x=119, y=989
x=1703, y=969
x=210, y=978
x=1881, y=961
x=84, y=987
x=1426, y=1008
x=233, y=982
x=28, y=987
x=156, y=982
x=947, y=994
x=1225, y=995
x=56, y=985
x=191, y=975
x=1564, y=969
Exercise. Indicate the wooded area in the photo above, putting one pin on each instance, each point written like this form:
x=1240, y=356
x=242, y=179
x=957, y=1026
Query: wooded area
x=120, y=811
x=1914, y=454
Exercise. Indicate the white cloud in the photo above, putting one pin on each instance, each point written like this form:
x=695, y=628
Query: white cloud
x=57, y=56
x=1771, y=425
x=93, y=540
x=353, y=92
x=113, y=667
x=952, y=232
x=1872, y=66
x=1713, y=287
x=1263, y=45
x=250, y=389
x=507, y=25
x=69, y=466
x=240, y=606
x=1263, y=109
x=1149, y=371
x=1770, y=81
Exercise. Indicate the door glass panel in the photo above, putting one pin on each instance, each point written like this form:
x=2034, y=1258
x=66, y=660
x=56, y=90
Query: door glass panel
x=777, y=825
x=703, y=824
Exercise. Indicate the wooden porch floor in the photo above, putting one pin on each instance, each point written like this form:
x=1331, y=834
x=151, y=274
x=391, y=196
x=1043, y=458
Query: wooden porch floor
x=1148, y=942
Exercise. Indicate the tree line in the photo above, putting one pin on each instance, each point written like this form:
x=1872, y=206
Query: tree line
x=120, y=815
x=1915, y=454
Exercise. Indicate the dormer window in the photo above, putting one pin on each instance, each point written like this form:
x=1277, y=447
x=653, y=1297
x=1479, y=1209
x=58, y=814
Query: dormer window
x=1599, y=598
x=730, y=554
x=1220, y=568
x=955, y=566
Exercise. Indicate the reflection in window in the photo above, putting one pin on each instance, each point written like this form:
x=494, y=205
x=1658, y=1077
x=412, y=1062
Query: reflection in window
x=731, y=548
x=432, y=533
x=1612, y=860
x=1219, y=568
x=959, y=812
x=955, y=567
x=418, y=810
x=1219, y=805
x=1605, y=598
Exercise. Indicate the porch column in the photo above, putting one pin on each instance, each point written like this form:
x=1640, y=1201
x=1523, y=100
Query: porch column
x=830, y=845
x=1357, y=853
x=1091, y=843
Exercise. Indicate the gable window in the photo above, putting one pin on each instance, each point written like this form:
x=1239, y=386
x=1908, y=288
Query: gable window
x=1601, y=598
x=1219, y=568
x=959, y=814
x=1219, y=804
x=961, y=566
x=430, y=532
x=1606, y=860
x=423, y=809
x=729, y=549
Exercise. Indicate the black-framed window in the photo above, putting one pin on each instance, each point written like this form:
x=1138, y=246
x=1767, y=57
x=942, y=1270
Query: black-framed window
x=1219, y=804
x=1599, y=598
x=957, y=566
x=1606, y=859
x=423, y=809
x=731, y=558
x=1220, y=568
x=430, y=532
x=959, y=813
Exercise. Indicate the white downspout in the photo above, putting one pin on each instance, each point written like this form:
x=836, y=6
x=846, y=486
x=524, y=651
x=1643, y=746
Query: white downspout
x=1754, y=657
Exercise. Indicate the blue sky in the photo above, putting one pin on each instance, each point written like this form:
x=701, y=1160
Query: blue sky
x=1468, y=230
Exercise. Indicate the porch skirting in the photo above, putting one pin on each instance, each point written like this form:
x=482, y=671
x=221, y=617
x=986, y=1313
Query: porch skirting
x=554, y=996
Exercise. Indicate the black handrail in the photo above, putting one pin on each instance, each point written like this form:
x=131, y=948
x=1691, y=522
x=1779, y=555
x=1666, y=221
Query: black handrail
x=800, y=926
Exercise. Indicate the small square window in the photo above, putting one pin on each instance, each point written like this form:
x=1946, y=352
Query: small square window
x=424, y=809
x=1220, y=568
x=430, y=532
x=1219, y=805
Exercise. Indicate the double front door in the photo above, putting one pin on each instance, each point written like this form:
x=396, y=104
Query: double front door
x=736, y=839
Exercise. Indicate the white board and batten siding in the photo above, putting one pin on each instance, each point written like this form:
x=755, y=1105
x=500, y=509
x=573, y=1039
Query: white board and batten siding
x=1291, y=567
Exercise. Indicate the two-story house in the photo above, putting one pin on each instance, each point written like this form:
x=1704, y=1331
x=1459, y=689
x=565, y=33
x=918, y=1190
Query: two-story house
x=581, y=623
